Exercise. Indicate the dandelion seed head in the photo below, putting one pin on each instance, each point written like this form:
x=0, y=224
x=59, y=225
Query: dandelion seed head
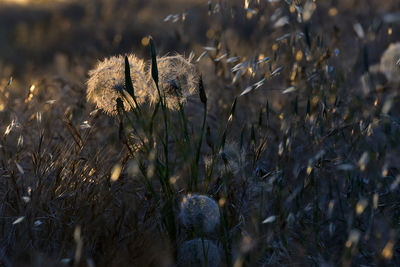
x=198, y=252
x=199, y=212
x=107, y=82
x=231, y=159
x=178, y=80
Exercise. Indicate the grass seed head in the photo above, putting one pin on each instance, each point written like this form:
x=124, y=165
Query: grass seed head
x=199, y=212
x=388, y=64
x=107, y=82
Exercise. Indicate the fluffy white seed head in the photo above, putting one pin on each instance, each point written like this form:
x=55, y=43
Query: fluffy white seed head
x=199, y=212
x=107, y=82
x=178, y=80
x=390, y=63
x=198, y=252
x=232, y=159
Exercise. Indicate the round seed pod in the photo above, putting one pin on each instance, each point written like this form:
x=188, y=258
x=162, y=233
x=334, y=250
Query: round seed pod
x=199, y=212
x=199, y=252
x=178, y=81
x=106, y=83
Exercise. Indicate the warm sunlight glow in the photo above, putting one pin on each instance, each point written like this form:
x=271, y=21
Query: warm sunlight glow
x=27, y=2
x=21, y=2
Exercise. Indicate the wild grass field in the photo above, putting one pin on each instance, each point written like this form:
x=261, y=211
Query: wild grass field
x=199, y=133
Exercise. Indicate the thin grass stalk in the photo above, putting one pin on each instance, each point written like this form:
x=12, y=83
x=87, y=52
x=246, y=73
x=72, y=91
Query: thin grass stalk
x=224, y=236
x=203, y=98
x=205, y=253
x=169, y=218
x=121, y=113
x=147, y=180
x=151, y=123
x=154, y=74
x=222, y=142
x=183, y=122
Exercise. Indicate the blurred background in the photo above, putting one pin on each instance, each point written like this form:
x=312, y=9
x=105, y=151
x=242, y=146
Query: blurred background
x=59, y=34
x=35, y=35
x=42, y=41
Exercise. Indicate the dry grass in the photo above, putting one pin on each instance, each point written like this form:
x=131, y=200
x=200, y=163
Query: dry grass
x=289, y=141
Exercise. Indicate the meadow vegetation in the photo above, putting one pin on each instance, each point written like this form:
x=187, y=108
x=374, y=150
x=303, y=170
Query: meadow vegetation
x=200, y=133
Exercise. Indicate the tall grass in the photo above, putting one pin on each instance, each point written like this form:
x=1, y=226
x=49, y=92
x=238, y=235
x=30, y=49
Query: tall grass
x=271, y=144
